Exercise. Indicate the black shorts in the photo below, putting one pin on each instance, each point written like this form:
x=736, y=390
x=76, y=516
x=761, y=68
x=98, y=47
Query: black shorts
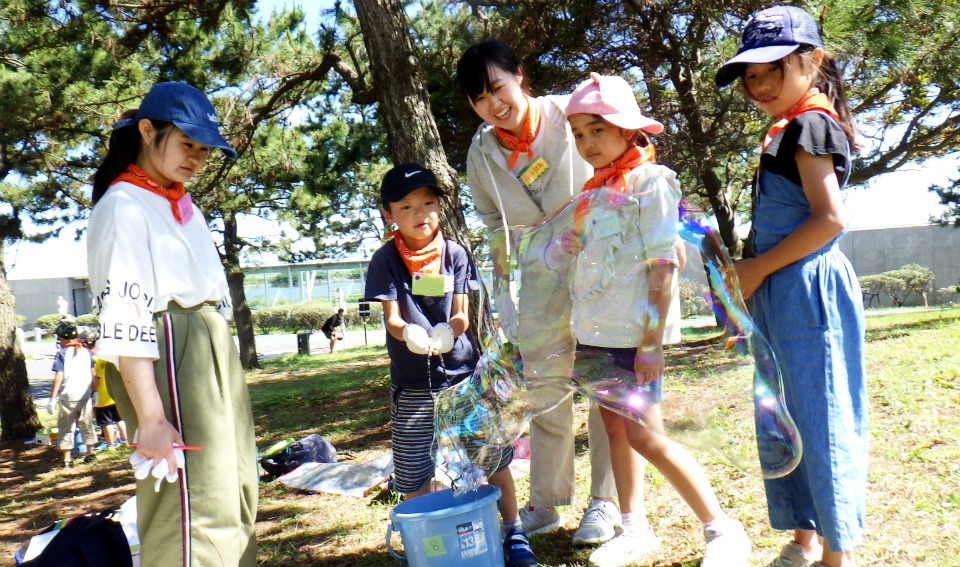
x=327, y=333
x=107, y=415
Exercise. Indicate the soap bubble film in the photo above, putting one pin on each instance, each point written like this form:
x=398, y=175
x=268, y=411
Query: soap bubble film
x=583, y=275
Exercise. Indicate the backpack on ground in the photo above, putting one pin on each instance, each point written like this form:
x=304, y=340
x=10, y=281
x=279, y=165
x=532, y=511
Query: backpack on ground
x=91, y=540
x=311, y=449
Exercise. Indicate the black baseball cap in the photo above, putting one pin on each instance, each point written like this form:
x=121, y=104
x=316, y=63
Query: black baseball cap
x=187, y=108
x=770, y=35
x=405, y=178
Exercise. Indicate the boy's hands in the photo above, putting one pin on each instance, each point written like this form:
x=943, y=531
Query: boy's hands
x=442, y=338
x=417, y=339
x=438, y=341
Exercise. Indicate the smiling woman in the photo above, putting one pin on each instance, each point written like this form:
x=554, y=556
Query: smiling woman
x=522, y=166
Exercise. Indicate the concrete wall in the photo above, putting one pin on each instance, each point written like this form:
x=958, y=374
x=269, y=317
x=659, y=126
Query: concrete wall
x=39, y=297
x=877, y=250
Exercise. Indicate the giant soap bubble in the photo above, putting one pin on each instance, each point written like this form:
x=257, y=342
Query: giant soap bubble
x=722, y=391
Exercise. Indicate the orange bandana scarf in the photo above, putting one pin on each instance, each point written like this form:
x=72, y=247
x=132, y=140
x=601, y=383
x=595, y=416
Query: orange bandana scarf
x=813, y=100
x=76, y=344
x=425, y=260
x=614, y=176
x=180, y=202
x=530, y=126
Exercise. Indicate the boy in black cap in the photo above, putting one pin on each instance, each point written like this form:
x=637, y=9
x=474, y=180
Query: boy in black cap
x=422, y=280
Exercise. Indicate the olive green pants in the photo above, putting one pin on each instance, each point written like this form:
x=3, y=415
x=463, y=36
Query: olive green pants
x=207, y=518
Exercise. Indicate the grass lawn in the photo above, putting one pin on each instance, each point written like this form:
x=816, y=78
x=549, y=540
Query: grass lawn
x=913, y=513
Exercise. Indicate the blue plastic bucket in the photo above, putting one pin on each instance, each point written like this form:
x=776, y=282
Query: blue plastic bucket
x=442, y=530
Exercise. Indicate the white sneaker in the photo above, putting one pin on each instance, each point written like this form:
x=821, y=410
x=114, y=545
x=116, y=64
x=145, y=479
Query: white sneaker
x=598, y=524
x=539, y=520
x=624, y=548
x=727, y=545
x=792, y=555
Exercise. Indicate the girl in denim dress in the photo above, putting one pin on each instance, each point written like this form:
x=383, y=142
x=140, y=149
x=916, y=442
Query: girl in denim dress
x=806, y=296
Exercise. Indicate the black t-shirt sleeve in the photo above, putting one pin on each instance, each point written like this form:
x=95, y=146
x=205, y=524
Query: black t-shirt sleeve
x=817, y=133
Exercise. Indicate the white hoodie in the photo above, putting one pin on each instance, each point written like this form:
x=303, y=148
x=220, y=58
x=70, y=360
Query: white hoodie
x=499, y=197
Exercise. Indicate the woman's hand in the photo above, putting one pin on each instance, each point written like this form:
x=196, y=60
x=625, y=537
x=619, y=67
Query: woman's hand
x=648, y=363
x=750, y=274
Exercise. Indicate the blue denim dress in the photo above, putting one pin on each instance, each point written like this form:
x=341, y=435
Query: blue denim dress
x=811, y=311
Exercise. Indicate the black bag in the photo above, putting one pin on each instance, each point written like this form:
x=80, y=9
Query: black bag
x=93, y=540
x=310, y=449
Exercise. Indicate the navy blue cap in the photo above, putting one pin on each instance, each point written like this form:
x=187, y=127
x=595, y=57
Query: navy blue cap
x=405, y=178
x=770, y=35
x=187, y=108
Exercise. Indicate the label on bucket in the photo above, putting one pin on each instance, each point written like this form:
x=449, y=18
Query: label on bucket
x=473, y=541
x=433, y=546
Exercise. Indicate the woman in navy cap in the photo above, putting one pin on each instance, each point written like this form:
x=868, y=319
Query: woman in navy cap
x=806, y=296
x=160, y=293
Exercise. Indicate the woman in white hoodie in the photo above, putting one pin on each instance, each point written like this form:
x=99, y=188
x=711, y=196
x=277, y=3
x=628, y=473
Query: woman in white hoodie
x=522, y=167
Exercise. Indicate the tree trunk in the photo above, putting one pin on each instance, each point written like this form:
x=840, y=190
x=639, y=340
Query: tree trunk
x=241, y=311
x=404, y=104
x=404, y=110
x=18, y=417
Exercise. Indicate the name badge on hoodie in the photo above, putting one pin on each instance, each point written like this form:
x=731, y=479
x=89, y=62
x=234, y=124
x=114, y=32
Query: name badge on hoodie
x=435, y=285
x=533, y=171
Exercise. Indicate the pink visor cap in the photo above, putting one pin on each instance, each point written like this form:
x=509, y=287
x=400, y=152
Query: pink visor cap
x=613, y=99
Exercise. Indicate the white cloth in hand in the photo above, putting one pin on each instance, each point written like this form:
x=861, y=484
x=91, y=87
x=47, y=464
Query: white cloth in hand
x=143, y=466
x=442, y=337
x=417, y=339
x=51, y=404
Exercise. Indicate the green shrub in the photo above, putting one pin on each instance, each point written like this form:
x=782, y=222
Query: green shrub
x=48, y=322
x=88, y=320
x=267, y=318
x=21, y=321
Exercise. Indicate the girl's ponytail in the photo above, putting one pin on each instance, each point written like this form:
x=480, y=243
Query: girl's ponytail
x=831, y=84
x=122, y=150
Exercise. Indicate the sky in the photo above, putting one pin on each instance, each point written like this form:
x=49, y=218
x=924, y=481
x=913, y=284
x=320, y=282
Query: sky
x=894, y=199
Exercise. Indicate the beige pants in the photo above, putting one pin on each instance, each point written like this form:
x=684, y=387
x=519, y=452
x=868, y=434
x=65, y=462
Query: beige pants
x=547, y=349
x=207, y=518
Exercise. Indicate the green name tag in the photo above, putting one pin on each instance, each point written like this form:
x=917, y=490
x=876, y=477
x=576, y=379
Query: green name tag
x=431, y=284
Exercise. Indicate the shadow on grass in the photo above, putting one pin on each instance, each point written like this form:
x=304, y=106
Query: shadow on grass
x=35, y=492
x=882, y=331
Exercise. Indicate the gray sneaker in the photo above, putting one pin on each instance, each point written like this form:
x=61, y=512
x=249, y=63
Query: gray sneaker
x=598, y=524
x=727, y=546
x=792, y=555
x=539, y=520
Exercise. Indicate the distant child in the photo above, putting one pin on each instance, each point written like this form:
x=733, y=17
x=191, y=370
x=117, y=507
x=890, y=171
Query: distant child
x=105, y=410
x=332, y=327
x=806, y=296
x=620, y=319
x=423, y=279
x=73, y=365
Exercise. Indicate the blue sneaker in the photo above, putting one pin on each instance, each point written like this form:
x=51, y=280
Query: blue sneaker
x=516, y=550
x=101, y=446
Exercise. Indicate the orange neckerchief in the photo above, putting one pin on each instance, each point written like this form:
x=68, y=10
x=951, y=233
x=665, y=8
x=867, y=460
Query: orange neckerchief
x=76, y=344
x=180, y=202
x=530, y=126
x=813, y=100
x=425, y=260
x=614, y=176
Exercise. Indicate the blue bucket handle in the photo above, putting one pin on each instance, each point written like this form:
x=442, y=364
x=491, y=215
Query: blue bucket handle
x=395, y=555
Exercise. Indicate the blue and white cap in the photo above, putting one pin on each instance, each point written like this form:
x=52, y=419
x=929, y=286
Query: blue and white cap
x=187, y=108
x=770, y=35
